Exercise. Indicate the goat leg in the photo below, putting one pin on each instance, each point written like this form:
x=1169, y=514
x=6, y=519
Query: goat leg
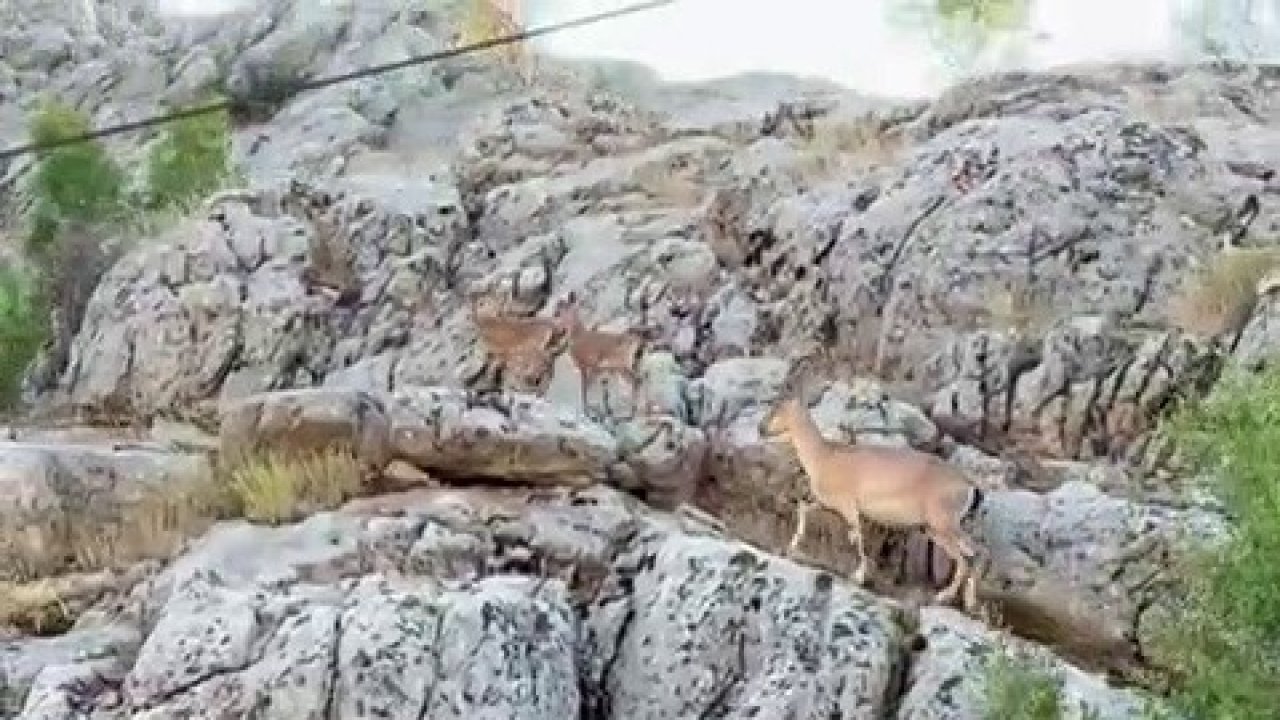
x=606, y=396
x=641, y=402
x=970, y=599
x=585, y=377
x=802, y=522
x=955, y=546
x=863, y=570
x=980, y=564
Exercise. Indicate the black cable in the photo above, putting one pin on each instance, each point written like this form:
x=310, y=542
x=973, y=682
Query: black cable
x=231, y=105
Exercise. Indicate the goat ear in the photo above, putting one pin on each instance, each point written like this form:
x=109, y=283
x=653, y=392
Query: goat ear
x=565, y=304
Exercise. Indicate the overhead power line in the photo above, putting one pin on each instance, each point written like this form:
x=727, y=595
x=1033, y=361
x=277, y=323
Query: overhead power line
x=230, y=105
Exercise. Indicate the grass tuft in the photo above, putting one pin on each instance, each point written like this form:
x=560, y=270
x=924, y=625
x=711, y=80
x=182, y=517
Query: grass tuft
x=90, y=534
x=34, y=608
x=1218, y=297
x=276, y=488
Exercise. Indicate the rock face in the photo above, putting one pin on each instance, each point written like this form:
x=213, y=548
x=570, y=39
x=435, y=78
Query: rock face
x=1018, y=301
x=1003, y=259
x=439, y=610
x=504, y=604
x=942, y=681
x=61, y=499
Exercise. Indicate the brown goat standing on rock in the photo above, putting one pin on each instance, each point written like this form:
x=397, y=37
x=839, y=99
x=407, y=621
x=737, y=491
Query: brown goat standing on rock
x=596, y=352
x=895, y=487
x=522, y=346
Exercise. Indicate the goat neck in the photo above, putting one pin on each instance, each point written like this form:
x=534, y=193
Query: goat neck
x=812, y=449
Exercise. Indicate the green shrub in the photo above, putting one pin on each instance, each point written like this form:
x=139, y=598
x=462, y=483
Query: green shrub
x=1222, y=649
x=1015, y=690
x=72, y=182
x=190, y=161
x=79, y=214
x=23, y=326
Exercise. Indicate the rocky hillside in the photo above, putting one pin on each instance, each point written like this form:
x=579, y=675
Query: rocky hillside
x=998, y=276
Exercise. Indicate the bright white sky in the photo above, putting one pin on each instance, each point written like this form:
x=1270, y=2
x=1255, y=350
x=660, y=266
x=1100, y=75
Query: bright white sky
x=849, y=41
x=701, y=39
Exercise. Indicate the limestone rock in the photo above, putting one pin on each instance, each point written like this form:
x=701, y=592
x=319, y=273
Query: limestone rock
x=948, y=679
x=583, y=601
x=519, y=438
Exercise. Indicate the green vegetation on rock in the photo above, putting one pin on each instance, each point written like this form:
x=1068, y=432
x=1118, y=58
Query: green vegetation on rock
x=1016, y=690
x=75, y=182
x=1222, y=647
x=22, y=331
x=191, y=160
x=79, y=195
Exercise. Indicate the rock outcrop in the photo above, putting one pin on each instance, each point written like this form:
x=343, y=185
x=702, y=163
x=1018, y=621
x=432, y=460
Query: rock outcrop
x=503, y=603
x=989, y=276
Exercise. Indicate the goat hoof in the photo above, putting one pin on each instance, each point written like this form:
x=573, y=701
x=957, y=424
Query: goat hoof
x=860, y=577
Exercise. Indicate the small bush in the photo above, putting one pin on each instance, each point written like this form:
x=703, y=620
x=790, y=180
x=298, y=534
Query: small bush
x=191, y=160
x=277, y=488
x=72, y=182
x=23, y=329
x=1222, y=653
x=1015, y=690
x=1219, y=297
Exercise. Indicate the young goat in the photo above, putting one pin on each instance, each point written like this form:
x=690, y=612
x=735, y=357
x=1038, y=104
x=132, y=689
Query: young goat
x=522, y=346
x=597, y=352
x=894, y=487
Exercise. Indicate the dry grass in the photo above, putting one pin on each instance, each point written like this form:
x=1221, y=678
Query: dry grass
x=276, y=488
x=34, y=608
x=1018, y=308
x=672, y=189
x=36, y=554
x=156, y=523
x=114, y=533
x=864, y=140
x=484, y=20
x=1219, y=296
x=832, y=147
